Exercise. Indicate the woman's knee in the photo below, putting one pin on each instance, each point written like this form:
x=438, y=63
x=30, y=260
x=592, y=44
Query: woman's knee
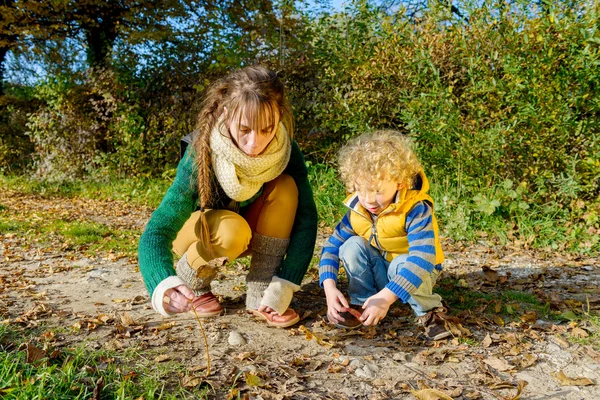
x=230, y=234
x=283, y=189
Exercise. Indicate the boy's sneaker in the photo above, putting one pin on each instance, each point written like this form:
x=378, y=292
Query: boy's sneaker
x=350, y=321
x=435, y=325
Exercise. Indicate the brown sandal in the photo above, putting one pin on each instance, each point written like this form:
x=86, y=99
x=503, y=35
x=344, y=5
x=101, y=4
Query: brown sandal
x=206, y=305
x=289, y=318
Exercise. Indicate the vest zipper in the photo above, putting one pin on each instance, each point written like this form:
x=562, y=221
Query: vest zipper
x=373, y=221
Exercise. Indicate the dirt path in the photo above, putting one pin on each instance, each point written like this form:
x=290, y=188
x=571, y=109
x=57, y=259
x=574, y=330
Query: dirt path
x=101, y=302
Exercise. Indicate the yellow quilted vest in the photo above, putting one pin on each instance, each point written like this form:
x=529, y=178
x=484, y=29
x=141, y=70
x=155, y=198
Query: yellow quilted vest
x=386, y=231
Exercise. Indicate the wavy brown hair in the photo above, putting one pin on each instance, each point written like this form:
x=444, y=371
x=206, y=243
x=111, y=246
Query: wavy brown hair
x=255, y=92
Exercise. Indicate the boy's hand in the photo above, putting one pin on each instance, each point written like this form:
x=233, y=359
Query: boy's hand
x=178, y=299
x=336, y=302
x=376, y=307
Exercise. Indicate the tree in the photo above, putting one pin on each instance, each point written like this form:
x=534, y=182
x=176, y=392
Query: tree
x=7, y=38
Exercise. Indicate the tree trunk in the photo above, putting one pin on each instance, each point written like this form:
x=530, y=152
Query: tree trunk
x=5, y=38
x=3, y=51
x=100, y=40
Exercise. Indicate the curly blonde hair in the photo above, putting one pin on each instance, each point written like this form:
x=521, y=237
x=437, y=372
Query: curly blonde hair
x=375, y=157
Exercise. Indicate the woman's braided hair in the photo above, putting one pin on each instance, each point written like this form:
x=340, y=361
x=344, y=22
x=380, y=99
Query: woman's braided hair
x=254, y=92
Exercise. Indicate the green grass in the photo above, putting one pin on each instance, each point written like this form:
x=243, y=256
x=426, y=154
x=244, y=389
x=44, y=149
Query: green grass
x=504, y=213
x=74, y=373
x=511, y=303
x=328, y=192
x=593, y=323
x=140, y=191
x=91, y=237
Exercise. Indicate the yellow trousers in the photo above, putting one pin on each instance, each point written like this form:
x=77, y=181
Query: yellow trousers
x=271, y=214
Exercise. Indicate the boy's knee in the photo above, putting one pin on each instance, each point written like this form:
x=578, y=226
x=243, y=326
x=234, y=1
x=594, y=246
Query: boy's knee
x=352, y=253
x=353, y=245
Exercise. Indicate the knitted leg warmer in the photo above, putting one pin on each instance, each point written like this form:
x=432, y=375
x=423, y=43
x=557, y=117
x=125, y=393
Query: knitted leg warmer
x=199, y=281
x=267, y=254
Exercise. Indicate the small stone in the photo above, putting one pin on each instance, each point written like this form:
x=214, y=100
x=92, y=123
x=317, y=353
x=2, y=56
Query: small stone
x=250, y=369
x=399, y=356
x=94, y=274
x=117, y=283
x=84, y=262
x=356, y=363
x=236, y=339
x=365, y=372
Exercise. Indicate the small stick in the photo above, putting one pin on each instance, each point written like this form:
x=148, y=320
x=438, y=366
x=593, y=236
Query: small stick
x=205, y=341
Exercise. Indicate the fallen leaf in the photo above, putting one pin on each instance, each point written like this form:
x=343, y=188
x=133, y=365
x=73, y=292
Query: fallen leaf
x=127, y=320
x=487, y=341
x=161, y=358
x=312, y=336
x=561, y=342
x=579, y=333
x=333, y=368
x=98, y=388
x=566, y=381
x=498, y=363
x=570, y=315
x=431, y=394
x=520, y=386
x=189, y=381
x=254, y=380
x=34, y=355
x=244, y=355
x=529, y=317
x=498, y=320
x=528, y=360
x=165, y=326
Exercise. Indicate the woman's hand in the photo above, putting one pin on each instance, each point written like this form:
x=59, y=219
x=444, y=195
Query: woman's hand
x=336, y=302
x=178, y=299
x=376, y=307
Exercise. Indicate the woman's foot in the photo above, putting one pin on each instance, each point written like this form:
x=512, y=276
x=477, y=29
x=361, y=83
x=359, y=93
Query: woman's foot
x=206, y=305
x=272, y=318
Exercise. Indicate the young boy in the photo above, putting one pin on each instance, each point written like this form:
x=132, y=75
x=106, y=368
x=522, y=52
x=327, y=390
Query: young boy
x=388, y=240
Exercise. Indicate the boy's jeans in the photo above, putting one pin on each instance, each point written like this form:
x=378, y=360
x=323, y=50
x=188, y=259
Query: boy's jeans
x=368, y=272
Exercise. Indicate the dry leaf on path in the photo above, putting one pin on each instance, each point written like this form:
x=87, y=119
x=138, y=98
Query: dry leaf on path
x=161, y=358
x=165, y=326
x=498, y=363
x=190, y=381
x=127, y=320
x=98, y=388
x=520, y=386
x=566, y=381
x=34, y=355
x=528, y=360
x=529, y=317
x=431, y=394
x=487, y=341
x=579, y=333
x=312, y=336
x=254, y=380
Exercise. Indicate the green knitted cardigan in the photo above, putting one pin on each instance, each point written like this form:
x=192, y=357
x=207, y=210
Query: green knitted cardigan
x=154, y=251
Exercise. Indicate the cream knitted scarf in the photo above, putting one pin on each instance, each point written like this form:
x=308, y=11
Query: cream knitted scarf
x=240, y=175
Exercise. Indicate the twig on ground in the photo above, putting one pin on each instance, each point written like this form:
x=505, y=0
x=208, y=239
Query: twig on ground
x=205, y=341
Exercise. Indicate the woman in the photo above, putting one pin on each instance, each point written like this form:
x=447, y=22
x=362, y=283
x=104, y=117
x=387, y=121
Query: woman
x=241, y=188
